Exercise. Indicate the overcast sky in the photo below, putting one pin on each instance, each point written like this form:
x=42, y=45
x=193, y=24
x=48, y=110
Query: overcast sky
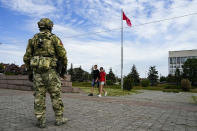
x=76, y=21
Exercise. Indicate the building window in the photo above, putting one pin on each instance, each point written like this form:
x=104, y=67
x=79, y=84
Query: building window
x=170, y=60
x=183, y=59
x=173, y=60
x=178, y=60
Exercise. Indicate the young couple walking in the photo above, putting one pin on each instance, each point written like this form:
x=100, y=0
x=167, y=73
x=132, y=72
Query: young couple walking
x=99, y=79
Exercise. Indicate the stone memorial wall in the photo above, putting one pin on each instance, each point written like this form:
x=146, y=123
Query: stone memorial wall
x=21, y=82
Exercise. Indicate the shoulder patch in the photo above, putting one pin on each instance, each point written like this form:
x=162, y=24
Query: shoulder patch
x=61, y=42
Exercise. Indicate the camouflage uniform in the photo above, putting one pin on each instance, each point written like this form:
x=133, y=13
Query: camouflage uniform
x=42, y=53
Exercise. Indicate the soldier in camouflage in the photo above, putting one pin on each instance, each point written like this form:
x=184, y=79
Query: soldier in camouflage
x=44, y=51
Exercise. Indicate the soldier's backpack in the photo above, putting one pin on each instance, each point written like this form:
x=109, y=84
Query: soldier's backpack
x=44, y=57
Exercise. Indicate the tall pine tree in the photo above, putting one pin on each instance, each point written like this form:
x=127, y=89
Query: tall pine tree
x=153, y=75
x=111, y=76
x=134, y=75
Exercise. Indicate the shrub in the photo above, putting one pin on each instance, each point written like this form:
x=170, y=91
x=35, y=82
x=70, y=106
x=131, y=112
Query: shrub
x=171, y=87
x=163, y=79
x=12, y=69
x=1, y=68
x=145, y=83
x=171, y=79
x=185, y=84
x=128, y=84
x=109, y=82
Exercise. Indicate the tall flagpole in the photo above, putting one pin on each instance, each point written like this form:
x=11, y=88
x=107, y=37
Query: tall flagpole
x=121, y=49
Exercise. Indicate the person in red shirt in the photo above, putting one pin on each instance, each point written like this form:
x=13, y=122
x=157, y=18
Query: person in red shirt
x=102, y=82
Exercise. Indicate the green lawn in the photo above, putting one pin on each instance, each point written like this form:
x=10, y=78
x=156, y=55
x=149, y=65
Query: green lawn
x=116, y=91
x=165, y=88
x=111, y=90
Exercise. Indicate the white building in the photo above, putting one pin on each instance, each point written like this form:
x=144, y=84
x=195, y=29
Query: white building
x=177, y=58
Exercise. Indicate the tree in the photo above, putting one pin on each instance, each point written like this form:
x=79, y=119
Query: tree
x=1, y=68
x=177, y=77
x=111, y=76
x=171, y=78
x=163, y=79
x=12, y=69
x=185, y=84
x=128, y=83
x=153, y=75
x=190, y=70
x=134, y=75
x=79, y=74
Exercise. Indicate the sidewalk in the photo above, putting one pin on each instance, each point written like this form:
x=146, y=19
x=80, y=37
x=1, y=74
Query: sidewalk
x=151, y=110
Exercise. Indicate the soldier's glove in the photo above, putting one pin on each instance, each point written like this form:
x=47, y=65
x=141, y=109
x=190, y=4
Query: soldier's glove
x=30, y=76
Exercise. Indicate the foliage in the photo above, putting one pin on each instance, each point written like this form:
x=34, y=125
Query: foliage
x=134, y=75
x=194, y=90
x=111, y=77
x=12, y=69
x=171, y=79
x=168, y=86
x=71, y=72
x=23, y=70
x=185, y=84
x=177, y=77
x=128, y=83
x=109, y=82
x=190, y=70
x=1, y=68
x=78, y=74
x=153, y=76
x=163, y=79
x=145, y=83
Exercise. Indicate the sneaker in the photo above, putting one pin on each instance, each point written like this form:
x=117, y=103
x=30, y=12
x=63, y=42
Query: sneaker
x=106, y=93
x=99, y=95
x=90, y=94
x=61, y=121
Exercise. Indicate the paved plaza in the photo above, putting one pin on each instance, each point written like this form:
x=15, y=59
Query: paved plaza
x=146, y=111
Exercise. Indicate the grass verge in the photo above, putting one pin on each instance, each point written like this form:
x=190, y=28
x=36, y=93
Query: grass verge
x=110, y=91
x=114, y=90
x=194, y=99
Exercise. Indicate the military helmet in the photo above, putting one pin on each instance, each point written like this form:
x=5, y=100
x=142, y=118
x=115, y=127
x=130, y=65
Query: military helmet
x=45, y=23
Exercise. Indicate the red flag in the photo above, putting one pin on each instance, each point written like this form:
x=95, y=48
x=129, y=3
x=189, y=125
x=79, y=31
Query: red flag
x=124, y=17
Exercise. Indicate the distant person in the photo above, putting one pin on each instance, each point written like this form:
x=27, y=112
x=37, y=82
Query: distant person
x=44, y=51
x=102, y=82
x=95, y=79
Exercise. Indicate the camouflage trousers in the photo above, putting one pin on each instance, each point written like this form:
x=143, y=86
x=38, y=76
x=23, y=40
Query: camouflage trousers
x=47, y=82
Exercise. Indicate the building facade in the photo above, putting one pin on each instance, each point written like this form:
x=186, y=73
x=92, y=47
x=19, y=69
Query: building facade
x=177, y=58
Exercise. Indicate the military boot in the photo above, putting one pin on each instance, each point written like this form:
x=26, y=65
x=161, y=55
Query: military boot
x=41, y=123
x=60, y=121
